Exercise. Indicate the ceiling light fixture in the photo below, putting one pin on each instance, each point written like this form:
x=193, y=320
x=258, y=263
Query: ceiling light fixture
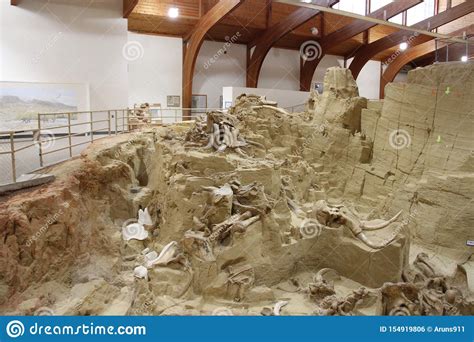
x=173, y=12
x=403, y=46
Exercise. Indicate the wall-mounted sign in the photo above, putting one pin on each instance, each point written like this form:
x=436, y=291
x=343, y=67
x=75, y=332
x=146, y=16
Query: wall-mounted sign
x=173, y=101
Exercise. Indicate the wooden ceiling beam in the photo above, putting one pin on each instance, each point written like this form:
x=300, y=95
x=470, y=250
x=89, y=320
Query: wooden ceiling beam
x=367, y=52
x=264, y=42
x=128, y=6
x=192, y=46
x=347, y=32
x=416, y=52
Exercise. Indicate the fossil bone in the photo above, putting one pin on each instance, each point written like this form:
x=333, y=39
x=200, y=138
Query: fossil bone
x=140, y=272
x=144, y=217
x=331, y=215
x=278, y=306
x=167, y=255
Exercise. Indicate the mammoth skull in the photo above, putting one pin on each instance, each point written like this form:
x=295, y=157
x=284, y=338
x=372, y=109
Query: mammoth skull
x=336, y=215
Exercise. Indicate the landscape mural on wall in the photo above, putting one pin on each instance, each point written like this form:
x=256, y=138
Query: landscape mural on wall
x=20, y=103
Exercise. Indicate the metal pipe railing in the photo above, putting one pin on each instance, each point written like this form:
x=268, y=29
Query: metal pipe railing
x=99, y=121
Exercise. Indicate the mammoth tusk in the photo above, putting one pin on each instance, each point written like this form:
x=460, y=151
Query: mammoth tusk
x=378, y=224
x=324, y=273
x=362, y=237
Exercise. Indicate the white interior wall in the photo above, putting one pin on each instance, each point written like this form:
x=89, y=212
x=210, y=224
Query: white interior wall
x=215, y=70
x=328, y=61
x=280, y=70
x=157, y=73
x=369, y=80
x=67, y=42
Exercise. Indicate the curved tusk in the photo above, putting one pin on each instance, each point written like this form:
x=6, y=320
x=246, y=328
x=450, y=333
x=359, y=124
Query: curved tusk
x=362, y=237
x=323, y=273
x=378, y=224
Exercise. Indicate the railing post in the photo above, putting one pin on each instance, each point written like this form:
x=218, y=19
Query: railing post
x=108, y=121
x=69, y=133
x=12, y=148
x=92, y=128
x=116, y=123
x=39, y=141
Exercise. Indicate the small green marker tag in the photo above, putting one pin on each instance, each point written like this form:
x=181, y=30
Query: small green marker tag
x=448, y=90
x=438, y=140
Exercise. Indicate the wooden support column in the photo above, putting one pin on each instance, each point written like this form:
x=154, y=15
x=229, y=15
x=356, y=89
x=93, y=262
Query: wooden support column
x=349, y=31
x=418, y=51
x=128, y=6
x=369, y=51
x=193, y=42
x=264, y=42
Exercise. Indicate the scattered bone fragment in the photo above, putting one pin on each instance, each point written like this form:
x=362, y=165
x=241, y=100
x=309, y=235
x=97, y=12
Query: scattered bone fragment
x=140, y=272
x=278, y=306
x=144, y=217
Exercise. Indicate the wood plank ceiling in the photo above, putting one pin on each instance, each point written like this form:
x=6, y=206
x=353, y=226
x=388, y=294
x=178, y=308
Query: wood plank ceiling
x=255, y=20
x=250, y=20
